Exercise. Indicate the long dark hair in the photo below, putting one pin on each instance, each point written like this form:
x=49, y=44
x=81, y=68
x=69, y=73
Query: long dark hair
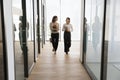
x=54, y=19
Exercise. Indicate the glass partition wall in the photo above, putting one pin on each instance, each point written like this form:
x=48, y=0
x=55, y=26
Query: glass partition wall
x=25, y=36
x=43, y=17
x=113, y=38
x=94, y=10
x=30, y=33
x=102, y=21
x=17, y=32
x=40, y=25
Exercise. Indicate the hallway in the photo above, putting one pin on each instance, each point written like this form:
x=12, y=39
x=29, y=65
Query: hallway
x=60, y=66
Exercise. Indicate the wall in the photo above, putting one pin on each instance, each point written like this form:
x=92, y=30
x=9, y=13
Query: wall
x=9, y=37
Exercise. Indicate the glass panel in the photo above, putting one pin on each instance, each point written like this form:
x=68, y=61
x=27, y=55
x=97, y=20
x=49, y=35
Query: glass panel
x=19, y=58
x=40, y=17
x=35, y=28
x=71, y=8
x=113, y=38
x=43, y=23
x=94, y=15
x=30, y=33
x=1, y=50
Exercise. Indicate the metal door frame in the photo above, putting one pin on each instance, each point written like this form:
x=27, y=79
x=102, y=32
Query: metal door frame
x=38, y=26
x=25, y=52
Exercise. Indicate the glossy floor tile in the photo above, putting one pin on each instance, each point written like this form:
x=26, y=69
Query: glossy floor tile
x=60, y=66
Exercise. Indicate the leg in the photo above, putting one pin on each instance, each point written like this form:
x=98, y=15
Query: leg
x=56, y=41
x=69, y=40
x=53, y=40
x=66, y=42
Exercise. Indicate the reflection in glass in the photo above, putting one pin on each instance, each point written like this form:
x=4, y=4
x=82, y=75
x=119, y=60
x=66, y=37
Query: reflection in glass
x=17, y=29
x=113, y=38
x=96, y=29
x=94, y=14
x=30, y=33
x=1, y=50
x=20, y=32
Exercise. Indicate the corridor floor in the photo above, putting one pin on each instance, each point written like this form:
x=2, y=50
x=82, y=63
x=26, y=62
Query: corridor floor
x=60, y=66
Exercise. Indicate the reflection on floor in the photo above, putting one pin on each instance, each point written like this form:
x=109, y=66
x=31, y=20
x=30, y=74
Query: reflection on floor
x=93, y=60
x=95, y=68
x=117, y=66
x=19, y=62
x=113, y=72
x=30, y=53
x=1, y=62
x=60, y=66
x=112, y=67
x=1, y=68
x=19, y=59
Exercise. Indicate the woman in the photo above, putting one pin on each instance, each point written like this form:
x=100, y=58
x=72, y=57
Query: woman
x=67, y=28
x=54, y=27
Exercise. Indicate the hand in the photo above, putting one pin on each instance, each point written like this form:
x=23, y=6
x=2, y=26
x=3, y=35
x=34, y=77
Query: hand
x=54, y=26
x=67, y=29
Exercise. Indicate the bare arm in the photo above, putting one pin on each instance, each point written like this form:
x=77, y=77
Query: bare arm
x=56, y=28
x=63, y=29
x=51, y=26
x=71, y=28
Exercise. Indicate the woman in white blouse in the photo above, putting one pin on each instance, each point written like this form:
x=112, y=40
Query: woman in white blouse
x=67, y=28
x=54, y=27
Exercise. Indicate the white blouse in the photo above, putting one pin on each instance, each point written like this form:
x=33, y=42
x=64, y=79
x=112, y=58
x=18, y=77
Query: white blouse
x=54, y=29
x=67, y=27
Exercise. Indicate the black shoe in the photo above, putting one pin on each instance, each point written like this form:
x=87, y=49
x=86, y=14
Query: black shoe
x=55, y=52
x=53, y=49
x=68, y=50
x=67, y=53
